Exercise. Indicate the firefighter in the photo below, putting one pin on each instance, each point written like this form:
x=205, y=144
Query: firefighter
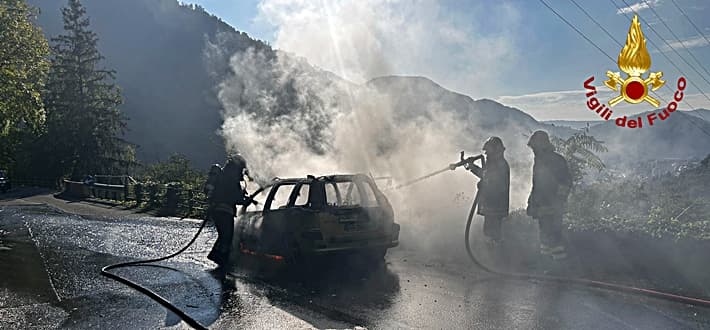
x=551, y=184
x=212, y=178
x=493, y=188
x=227, y=194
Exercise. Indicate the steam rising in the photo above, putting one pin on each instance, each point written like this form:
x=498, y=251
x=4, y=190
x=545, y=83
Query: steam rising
x=290, y=119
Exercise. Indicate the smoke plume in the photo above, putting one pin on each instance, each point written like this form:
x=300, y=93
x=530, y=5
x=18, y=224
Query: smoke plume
x=290, y=119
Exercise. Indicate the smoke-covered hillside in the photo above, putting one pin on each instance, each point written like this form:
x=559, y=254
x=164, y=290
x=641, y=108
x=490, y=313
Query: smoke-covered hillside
x=683, y=136
x=193, y=85
x=157, y=48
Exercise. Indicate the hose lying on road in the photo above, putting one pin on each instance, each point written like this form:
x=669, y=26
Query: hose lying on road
x=166, y=303
x=569, y=280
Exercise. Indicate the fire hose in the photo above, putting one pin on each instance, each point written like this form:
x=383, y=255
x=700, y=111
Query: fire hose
x=571, y=280
x=153, y=295
x=463, y=162
x=549, y=278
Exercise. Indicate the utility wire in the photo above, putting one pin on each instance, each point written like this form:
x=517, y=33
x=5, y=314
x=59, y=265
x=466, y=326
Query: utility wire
x=578, y=31
x=691, y=22
x=673, y=49
x=702, y=129
x=672, y=63
x=667, y=58
x=598, y=24
x=681, y=43
x=676, y=36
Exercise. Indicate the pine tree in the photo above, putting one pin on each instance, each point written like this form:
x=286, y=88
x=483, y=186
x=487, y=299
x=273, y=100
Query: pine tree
x=23, y=70
x=84, y=123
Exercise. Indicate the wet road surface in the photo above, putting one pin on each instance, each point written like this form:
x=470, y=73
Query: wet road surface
x=50, y=263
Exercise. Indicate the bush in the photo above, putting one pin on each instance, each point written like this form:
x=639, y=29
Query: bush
x=176, y=169
x=667, y=208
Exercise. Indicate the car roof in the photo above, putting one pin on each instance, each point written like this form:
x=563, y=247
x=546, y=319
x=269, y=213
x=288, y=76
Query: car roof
x=326, y=178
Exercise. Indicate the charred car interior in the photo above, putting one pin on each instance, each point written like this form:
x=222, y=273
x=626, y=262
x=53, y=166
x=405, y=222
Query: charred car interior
x=297, y=218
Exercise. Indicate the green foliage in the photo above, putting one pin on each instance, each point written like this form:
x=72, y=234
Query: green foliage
x=672, y=207
x=84, y=123
x=580, y=152
x=23, y=70
x=176, y=169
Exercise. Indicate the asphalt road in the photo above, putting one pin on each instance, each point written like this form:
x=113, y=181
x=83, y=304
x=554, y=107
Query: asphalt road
x=49, y=278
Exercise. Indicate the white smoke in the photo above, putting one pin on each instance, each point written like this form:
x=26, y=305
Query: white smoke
x=363, y=39
x=290, y=119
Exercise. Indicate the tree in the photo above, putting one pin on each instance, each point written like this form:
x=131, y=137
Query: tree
x=580, y=152
x=23, y=70
x=176, y=169
x=84, y=123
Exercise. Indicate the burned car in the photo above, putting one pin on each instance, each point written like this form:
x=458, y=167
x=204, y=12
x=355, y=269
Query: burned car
x=300, y=218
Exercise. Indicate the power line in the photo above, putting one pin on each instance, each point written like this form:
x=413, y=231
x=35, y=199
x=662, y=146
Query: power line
x=574, y=28
x=681, y=43
x=702, y=129
x=665, y=56
x=676, y=36
x=691, y=22
x=610, y=36
x=597, y=23
x=671, y=47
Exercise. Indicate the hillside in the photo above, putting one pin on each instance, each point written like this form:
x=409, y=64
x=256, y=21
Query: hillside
x=157, y=49
x=173, y=65
x=680, y=136
x=576, y=124
x=481, y=118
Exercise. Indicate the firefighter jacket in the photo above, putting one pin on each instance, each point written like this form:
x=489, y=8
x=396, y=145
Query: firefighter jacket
x=551, y=185
x=227, y=194
x=494, y=187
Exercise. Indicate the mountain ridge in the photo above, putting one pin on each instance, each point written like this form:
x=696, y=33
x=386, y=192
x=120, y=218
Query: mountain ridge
x=170, y=91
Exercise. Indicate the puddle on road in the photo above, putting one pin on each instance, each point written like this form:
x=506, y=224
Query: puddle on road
x=22, y=272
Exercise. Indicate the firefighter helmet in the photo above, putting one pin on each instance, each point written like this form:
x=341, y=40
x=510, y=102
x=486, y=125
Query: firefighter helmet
x=215, y=169
x=540, y=141
x=236, y=166
x=493, y=144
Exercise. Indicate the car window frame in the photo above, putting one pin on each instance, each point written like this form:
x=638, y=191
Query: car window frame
x=272, y=194
x=291, y=197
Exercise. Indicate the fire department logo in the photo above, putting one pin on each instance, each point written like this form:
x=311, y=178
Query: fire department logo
x=634, y=60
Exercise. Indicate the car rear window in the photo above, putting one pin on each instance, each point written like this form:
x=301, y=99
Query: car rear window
x=369, y=199
x=302, y=197
x=349, y=194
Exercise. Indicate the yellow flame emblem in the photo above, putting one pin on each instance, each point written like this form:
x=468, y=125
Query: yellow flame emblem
x=634, y=60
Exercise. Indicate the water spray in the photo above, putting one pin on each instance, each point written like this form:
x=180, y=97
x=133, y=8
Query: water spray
x=466, y=163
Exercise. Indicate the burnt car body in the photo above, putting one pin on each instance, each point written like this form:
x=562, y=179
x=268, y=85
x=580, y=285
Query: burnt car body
x=4, y=182
x=301, y=218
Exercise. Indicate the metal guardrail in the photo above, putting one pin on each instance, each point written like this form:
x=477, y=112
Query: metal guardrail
x=169, y=198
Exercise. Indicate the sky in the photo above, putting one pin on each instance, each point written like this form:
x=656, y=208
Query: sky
x=517, y=52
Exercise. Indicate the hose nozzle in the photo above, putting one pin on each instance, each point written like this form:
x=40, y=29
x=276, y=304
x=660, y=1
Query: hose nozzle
x=465, y=162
